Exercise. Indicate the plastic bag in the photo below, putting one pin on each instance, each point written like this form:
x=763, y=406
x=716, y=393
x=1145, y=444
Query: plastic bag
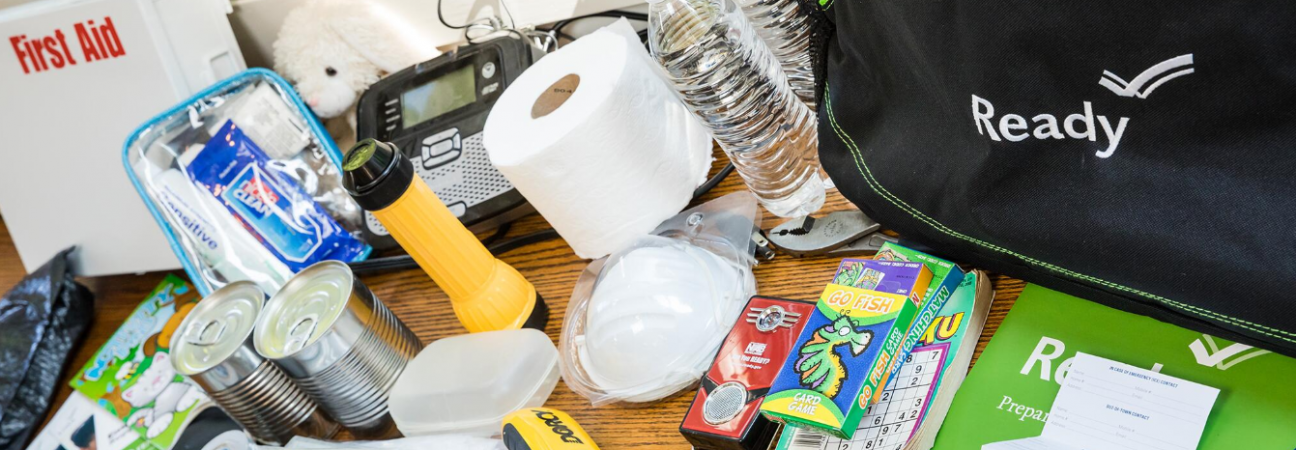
x=269, y=204
x=289, y=225
x=42, y=319
x=646, y=321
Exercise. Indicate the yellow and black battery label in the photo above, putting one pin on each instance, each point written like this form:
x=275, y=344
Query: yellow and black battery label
x=544, y=429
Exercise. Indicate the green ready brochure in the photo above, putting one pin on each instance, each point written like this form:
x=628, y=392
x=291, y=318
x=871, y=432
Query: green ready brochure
x=1011, y=388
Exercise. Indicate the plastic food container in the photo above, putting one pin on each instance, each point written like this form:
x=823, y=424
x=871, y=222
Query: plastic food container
x=468, y=384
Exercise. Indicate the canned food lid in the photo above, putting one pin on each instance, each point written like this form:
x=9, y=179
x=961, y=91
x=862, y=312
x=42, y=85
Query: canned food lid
x=216, y=328
x=304, y=309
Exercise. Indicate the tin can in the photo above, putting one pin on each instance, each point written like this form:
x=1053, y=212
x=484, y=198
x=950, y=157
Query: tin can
x=340, y=344
x=213, y=346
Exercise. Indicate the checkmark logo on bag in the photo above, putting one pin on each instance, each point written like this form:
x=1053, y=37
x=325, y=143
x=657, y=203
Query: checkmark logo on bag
x=1208, y=354
x=1143, y=84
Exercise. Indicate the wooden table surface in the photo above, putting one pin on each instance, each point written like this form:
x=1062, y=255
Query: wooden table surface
x=553, y=268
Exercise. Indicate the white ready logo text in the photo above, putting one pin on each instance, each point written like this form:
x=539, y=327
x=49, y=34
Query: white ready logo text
x=1015, y=128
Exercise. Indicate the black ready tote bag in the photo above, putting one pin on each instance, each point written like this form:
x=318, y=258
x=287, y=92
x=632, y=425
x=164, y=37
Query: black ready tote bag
x=1139, y=154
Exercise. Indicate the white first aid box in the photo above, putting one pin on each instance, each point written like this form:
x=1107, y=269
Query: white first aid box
x=76, y=78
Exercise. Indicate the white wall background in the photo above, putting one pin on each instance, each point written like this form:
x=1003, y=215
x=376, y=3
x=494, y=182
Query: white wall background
x=257, y=22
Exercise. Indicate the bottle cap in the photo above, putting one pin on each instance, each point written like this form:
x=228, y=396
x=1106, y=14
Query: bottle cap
x=375, y=174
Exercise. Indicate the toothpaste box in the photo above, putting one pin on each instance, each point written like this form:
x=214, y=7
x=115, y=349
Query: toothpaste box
x=843, y=357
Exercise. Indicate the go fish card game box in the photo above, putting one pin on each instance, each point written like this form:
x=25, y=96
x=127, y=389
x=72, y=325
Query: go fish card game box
x=843, y=357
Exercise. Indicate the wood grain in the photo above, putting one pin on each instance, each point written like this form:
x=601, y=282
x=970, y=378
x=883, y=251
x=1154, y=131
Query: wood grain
x=553, y=268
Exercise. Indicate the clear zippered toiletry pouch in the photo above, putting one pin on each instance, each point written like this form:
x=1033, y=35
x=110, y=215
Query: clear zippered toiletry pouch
x=245, y=184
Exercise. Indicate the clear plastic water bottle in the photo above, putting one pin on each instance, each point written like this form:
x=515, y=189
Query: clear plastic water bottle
x=731, y=80
x=785, y=27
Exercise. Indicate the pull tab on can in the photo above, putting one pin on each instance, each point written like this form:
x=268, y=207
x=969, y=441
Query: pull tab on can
x=300, y=332
x=207, y=333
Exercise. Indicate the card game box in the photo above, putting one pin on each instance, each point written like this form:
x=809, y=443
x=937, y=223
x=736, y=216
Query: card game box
x=725, y=413
x=849, y=344
x=946, y=278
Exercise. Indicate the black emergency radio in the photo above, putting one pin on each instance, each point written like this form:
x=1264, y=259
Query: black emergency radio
x=434, y=112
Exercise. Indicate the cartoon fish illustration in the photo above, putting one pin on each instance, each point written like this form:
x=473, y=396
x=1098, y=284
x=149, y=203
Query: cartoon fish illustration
x=820, y=366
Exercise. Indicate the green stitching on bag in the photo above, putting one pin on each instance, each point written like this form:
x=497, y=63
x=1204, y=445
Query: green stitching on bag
x=877, y=187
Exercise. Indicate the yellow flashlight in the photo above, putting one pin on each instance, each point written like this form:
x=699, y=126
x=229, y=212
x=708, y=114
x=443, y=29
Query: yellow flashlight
x=487, y=294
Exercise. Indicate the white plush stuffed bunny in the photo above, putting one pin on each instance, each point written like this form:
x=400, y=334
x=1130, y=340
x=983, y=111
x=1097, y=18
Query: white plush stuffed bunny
x=332, y=50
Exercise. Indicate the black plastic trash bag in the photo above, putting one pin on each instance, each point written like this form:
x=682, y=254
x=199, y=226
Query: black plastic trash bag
x=41, y=321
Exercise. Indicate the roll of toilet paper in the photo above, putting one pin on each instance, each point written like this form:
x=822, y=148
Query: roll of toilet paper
x=597, y=142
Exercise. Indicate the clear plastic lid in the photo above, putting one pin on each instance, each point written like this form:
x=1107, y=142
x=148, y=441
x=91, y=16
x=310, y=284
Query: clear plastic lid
x=467, y=384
